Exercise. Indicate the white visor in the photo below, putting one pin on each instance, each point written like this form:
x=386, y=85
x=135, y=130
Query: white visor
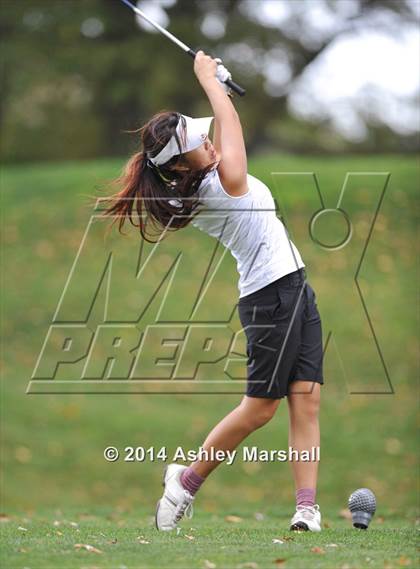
x=196, y=133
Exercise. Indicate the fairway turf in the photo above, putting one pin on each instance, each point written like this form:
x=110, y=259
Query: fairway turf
x=208, y=540
x=52, y=457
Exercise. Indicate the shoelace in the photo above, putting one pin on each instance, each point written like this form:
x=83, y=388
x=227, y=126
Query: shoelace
x=308, y=511
x=185, y=508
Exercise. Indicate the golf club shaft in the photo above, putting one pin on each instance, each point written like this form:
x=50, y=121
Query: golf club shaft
x=234, y=86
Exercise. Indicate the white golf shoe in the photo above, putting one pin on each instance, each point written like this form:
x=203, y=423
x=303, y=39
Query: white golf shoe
x=306, y=518
x=175, y=502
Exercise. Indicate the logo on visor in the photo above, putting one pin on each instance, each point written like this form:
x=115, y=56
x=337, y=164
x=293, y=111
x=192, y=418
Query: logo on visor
x=203, y=137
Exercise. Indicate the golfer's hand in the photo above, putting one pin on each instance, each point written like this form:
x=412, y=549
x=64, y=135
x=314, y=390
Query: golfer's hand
x=205, y=67
x=222, y=74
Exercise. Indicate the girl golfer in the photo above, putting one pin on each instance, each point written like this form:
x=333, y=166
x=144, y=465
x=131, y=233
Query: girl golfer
x=179, y=169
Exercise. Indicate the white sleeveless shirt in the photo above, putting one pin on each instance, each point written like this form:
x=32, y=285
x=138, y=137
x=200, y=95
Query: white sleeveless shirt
x=249, y=227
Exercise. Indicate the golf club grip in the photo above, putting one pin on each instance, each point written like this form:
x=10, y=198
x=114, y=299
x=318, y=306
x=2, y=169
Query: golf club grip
x=234, y=86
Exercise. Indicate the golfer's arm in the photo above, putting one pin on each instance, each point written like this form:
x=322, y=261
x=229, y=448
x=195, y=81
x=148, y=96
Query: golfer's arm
x=228, y=139
x=216, y=138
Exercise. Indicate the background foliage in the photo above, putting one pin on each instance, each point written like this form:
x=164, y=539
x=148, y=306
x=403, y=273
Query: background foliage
x=76, y=74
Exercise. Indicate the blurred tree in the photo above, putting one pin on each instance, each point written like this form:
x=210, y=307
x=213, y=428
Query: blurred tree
x=77, y=73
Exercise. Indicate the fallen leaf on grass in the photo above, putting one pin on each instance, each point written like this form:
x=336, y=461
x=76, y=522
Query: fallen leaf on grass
x=404, y=561
x=288, y=538
x=331, y=545
x=277, y=541
x=326, y=525
x=59, y=532
x=209, y=564
x=86, y=516
x=345, y=513
x=279, y=562
x=248, y=565
x=190, y=537
x=259, y=516
x=74, y=524
x=319, y=550
x=89, y=548
x=56, y=523
x=142, y=540
x=20, y=528
x=113, y=541
x=233, y=519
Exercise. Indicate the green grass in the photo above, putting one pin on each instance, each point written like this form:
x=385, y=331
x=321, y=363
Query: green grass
x=207, y=540
x=53, y=444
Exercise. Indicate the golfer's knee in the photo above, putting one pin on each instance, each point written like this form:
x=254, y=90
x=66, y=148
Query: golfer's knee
x=311, y=408
x=259, y=417
x=306, y=405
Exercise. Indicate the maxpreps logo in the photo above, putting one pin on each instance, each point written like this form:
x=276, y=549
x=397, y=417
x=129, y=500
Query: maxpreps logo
x=136, y=317
x=203, y=137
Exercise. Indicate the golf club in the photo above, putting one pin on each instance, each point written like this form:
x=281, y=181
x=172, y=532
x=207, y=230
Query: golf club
x=234, y=86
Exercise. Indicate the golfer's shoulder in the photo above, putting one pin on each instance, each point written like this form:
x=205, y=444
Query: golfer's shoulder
x=213, y=184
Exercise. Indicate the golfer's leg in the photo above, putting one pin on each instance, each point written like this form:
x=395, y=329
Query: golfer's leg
x=249, y=415
x=303, y=401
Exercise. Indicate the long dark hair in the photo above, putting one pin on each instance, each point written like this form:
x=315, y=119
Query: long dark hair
x=146, y=188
